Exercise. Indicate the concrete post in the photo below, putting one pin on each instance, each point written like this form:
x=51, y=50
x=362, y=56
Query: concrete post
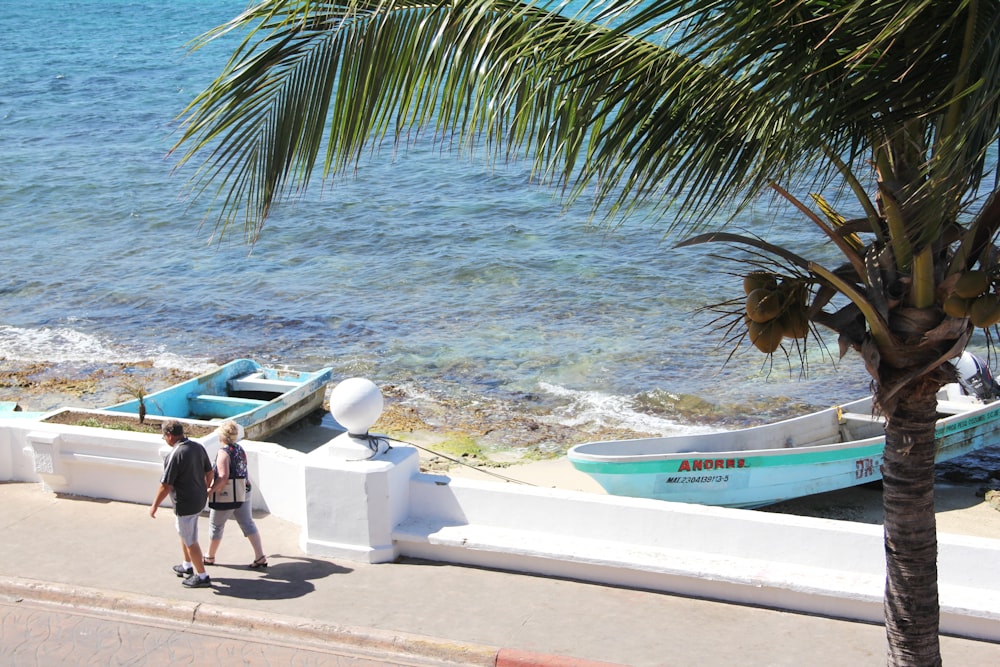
x=353, y=505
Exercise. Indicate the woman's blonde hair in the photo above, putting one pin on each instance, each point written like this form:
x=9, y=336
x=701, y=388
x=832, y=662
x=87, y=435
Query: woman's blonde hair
x=228, y=432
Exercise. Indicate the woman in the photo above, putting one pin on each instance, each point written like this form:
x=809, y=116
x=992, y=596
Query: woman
x=231, y=462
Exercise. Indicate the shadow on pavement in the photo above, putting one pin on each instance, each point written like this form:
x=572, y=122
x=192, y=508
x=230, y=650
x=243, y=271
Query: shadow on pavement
x=281, y=581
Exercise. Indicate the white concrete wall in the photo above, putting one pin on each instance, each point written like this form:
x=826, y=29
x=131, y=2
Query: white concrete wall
x=379, y=509
x=126, y=466
x=278, y=481
x=819, y=566
x=652, y=524
x=352, y=506
x=15, y=464
x=103, y=463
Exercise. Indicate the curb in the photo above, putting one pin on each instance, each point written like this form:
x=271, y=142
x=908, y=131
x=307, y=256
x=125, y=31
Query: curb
x=507, y=657
x=264, y=626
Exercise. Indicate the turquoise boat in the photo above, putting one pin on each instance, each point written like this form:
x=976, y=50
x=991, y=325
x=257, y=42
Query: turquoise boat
x=832, y=449
x=262, y=400
x=11, y=410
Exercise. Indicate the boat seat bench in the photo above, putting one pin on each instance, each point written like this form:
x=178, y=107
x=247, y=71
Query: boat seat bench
x=950, y=407
x=257, y=382
x=221, y=407
x=859, y=417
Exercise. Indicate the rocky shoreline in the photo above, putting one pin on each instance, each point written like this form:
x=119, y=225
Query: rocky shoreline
x=477, y=429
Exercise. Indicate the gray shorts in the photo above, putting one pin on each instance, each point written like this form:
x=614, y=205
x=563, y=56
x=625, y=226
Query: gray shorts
x=243, y=515
x=187, y=528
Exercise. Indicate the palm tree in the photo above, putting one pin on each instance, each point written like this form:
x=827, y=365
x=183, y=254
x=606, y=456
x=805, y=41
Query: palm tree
x=890, y=108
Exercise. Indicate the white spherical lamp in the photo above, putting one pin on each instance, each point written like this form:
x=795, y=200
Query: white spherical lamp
x=356, y=404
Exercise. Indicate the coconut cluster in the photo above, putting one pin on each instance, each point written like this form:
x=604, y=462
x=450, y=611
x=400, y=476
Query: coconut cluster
x=974, y=298
x=775, y=309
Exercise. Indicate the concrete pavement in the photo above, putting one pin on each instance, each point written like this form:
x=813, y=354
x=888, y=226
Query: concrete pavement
x=86, y=581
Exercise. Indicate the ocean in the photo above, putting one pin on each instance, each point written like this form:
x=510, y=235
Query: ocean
x=452, y=280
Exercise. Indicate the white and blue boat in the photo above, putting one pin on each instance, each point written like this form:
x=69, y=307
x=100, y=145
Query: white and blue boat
x=828, y=450
x=262, y=400
x=11, y=410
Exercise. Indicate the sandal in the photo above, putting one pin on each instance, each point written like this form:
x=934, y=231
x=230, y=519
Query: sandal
x=260, y=563
x=209, y=560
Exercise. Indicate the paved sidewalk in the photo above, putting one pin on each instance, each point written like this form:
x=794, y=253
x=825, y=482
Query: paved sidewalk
x=111, y=561
x=57, y=635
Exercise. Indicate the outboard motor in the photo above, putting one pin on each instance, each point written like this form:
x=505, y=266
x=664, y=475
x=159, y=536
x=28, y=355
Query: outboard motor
x=975, y=377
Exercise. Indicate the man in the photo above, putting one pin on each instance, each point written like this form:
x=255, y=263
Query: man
x=187, y=474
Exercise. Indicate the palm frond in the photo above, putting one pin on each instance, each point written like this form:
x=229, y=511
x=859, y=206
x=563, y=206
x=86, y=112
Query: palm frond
x=698, y=106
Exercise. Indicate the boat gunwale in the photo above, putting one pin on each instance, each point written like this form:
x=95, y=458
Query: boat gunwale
x=945, y=426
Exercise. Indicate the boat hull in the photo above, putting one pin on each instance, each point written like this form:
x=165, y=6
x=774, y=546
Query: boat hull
x=262, y=400
x=749, y=476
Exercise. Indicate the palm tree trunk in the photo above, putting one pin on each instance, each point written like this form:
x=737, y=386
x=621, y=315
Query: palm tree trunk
x=911, y=592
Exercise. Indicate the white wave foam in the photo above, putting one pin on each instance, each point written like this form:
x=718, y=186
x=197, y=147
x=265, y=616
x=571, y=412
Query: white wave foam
x=55, y=344
x=593, y=407
x=68, y=345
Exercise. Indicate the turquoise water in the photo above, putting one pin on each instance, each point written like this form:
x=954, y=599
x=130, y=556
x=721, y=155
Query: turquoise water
x=433, y=272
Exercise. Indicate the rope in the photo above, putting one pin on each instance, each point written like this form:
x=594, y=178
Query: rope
x=372, y=441
x=454, y=460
